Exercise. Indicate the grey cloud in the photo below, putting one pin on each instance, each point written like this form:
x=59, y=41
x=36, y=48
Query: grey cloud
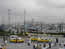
x=52, y=3
x=47, y=10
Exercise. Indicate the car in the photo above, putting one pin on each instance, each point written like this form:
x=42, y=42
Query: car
x=13, y=36
x=16, y=40
x=42, y=40
x=2, y=46
x=33, y=39
x=12, y=40
x=39, y=39
x=26, y=33
x=20, y=40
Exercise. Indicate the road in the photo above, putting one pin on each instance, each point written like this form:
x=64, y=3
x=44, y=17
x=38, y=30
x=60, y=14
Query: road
x=18, y=46
x=25, y=46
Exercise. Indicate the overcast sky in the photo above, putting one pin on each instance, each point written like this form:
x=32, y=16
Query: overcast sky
x=39, y=10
